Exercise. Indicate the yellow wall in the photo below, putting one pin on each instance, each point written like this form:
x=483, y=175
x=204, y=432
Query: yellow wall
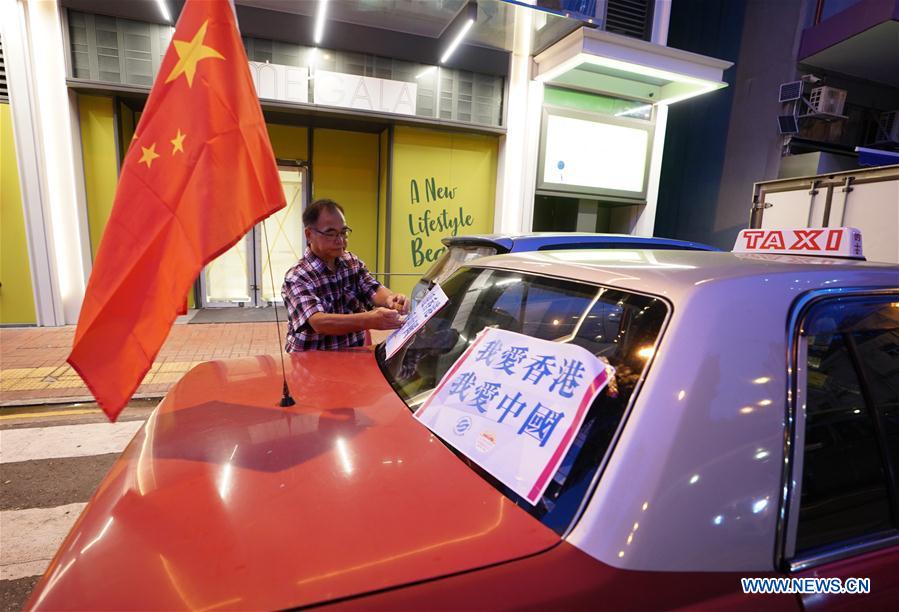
x=383, y=153
x=16, y=294
x=101, y=170
x=289, y=141
x=345, y=169
x=443, y=184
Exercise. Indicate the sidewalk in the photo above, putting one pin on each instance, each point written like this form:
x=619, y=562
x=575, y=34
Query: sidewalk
x=33, y=368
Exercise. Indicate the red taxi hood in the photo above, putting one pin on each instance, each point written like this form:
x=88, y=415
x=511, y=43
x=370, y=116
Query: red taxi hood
x=224, y=500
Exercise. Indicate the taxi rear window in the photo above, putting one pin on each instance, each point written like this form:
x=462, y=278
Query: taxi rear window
x=850, y=468
x=620, y=327
x=454, y=258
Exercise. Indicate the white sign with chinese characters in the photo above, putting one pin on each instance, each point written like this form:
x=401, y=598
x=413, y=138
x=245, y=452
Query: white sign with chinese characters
x=513, y=404
x=424, y=310
x=280, y=82
x=364, y=93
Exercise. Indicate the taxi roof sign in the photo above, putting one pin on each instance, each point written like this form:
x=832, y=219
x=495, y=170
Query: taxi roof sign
x=820, y=242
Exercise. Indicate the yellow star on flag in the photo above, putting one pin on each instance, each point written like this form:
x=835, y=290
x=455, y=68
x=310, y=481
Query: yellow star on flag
x=189, y=53
x=149, y=155
x=177, y=143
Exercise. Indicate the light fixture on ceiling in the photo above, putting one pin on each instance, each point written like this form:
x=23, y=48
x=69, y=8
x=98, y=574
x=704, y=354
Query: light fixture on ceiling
x=458, y=28
x=320, y=21
x=164, y=10
x=637, y=110
x=594, y=60
x=426, y=72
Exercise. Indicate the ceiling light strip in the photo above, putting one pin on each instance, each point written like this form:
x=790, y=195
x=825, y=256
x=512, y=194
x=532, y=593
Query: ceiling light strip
x=164, y=10
x=320, y=21
x=458, y=39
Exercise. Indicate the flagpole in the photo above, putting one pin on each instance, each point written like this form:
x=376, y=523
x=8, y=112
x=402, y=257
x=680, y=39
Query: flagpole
x=286, y=399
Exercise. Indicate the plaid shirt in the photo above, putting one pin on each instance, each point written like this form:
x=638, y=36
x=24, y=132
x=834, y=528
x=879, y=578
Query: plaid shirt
x=310, y=287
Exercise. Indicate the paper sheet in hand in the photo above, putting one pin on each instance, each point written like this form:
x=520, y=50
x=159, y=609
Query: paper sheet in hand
x=424, y=310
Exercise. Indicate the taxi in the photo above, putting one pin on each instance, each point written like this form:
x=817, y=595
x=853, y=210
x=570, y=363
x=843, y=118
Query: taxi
x=747, y=427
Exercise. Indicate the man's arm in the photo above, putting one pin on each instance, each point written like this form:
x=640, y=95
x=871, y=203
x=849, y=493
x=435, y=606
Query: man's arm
x=388, y=299
x=378, y=294
x=339, y=324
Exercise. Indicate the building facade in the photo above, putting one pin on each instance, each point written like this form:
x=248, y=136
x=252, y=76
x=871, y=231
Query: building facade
x=816, y=84
x=547, y=116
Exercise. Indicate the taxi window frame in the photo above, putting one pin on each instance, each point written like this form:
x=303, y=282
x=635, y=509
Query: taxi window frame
x=786, y=558
x=625, y=415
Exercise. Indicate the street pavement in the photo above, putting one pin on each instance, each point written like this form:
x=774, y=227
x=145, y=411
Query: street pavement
x=51, y=460
x=33, y=368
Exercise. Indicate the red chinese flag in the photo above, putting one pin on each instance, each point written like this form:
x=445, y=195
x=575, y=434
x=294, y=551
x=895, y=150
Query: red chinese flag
x=198, y=175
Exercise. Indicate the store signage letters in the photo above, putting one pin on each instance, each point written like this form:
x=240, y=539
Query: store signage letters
x=280, y=82
x=439, y=223
x=364, y=93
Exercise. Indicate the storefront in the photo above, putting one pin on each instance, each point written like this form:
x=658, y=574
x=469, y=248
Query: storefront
x=524, y=129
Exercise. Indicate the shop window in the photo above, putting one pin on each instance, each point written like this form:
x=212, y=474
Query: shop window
x=116, y=50
x=138, y=54
x=107, y=44
x=470, y=97
x=851, y=452
x=80, y=53
x=126, y=51
x=258, y=50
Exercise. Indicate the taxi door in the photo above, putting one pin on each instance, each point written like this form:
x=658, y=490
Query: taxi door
x=842, y=523
x=879, y=568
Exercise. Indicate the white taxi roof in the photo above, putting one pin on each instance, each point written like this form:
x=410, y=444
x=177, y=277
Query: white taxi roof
x=677, y=273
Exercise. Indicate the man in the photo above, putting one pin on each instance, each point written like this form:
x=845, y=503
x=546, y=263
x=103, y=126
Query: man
x=328, y=293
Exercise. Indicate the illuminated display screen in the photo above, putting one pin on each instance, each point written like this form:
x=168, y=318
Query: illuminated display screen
x=595, y=155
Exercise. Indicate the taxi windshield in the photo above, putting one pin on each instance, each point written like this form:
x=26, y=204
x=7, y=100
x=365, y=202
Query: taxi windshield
x=618, y=327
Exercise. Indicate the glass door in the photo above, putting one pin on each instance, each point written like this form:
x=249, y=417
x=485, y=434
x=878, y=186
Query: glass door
x=226, y=280
x=286, y=239
x=240, y=276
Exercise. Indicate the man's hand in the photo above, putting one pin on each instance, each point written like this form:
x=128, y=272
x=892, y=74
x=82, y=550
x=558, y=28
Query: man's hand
x=399, y=303
x=383, y=318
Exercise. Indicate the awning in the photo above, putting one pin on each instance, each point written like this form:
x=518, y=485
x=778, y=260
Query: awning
x=876, y=157
x=599, y=61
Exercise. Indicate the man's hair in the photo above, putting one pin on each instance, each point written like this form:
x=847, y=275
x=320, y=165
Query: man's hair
x=310, y=215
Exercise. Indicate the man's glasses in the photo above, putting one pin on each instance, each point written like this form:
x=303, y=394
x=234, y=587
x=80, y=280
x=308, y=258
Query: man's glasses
x=334, y=234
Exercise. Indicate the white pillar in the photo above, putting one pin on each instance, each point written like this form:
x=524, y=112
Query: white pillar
x=46, y=137
x=517, y=163
x=646, y=222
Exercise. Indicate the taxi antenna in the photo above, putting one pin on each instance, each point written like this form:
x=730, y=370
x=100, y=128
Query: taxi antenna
x=286, y=399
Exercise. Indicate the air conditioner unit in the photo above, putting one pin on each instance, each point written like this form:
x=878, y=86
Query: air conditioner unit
x=787, y=124
x=827, y=100
x=790, y=91
x=888, y=123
